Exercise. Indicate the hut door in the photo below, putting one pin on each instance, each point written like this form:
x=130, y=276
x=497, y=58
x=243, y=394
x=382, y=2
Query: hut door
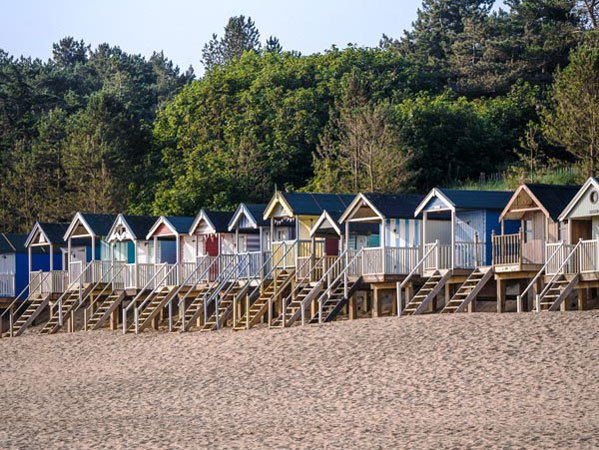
x=581, y=229
x=331, y=246
x=212, y=245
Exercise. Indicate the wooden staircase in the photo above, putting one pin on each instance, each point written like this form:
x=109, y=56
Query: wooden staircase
x=154, y=303
x=106, y=308
x=260, y=306
x=292, y=305
x=334, y=299
x=37, y=303
x=224, y=308
x=431, y=288
x=556, y=292
x=468, y=291
x=195, y=308
x=71, y=299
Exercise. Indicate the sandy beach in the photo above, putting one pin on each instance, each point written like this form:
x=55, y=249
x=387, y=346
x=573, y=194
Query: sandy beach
x=465, y=381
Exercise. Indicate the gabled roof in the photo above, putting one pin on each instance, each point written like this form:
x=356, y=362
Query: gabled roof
x=592, y=182
x=177, y=224
x=551, y=199
x=137, y=226
x=95, y=224
x=308, y=204
x=456, y=199
x=254, y=212
x=218, y=221
x=12, y=243
x=388, y=206
x=326, y=217
x=53, y=233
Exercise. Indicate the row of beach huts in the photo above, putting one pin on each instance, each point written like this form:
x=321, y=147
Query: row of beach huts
x=307, y=258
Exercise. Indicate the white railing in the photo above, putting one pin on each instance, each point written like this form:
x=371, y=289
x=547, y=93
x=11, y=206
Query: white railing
x=401, y=260
x=372, y=261
x=440, y=258
x=561, y=251
x=7, y=284
x=75, y=270
x=49, y=282
x=553, y=250
x=469, y=255
x=588, y=258
x=286, y=248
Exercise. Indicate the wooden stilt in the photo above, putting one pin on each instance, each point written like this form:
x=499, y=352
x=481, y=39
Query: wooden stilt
x=114, y=319
x=447, y=293
x=500, y=296
x=352, y=307
x=581, y=299
x=376, y=303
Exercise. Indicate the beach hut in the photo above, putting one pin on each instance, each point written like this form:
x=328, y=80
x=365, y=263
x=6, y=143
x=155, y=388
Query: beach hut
x=14, y=266
x=457, y=230
x=252, y=230
x=130, y=247
x=383, y=236
x=47, y=254
x=88, y=252
x=40, y=278
x=174, y=256
x=519, y=258
x=572, y=264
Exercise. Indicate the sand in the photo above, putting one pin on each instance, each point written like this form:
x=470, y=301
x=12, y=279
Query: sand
x=465, y=381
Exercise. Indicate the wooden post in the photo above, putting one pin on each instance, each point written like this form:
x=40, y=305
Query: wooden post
x=476, y=263
x=376, y=303
x=384, y=245
x=452, y=239
x=500, y=296
x=114, y=319
x=352, y=307
x=447, y=293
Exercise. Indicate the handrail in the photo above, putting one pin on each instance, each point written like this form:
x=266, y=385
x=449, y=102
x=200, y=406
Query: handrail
x=421, y=262
x=191, y=288
x=109, y=283
x=536, y=277
x=556, y=274
x=133, y=302
x=193, y=273
x=334, y=281
x=58, y=303
x=17, y=299
x=215, y=293
x=273, y=267
x=403, y=284
x=299, y=283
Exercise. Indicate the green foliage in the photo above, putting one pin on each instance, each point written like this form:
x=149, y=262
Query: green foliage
x=572, y=120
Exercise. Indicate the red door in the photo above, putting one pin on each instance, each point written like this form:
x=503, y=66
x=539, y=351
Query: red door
x=212, y=245
x=331, y=246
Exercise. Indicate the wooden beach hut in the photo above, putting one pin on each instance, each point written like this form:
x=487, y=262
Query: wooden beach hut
x=519, y=258
x=572, y=264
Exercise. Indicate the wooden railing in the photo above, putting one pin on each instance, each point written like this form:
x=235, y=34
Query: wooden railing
x=372, y=261
x=7, y=284
x=561, y=251
x=466, y=255
x=510, y=249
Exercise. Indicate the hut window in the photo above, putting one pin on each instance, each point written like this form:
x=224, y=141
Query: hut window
x=528, y=230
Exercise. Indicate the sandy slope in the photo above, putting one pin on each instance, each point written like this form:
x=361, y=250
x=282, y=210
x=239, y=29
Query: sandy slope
x=479, y=380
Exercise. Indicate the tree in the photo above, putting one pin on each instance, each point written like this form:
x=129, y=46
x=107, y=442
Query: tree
x=240, y=35
x=273, y=45
x=68, y=52
x=572, y=120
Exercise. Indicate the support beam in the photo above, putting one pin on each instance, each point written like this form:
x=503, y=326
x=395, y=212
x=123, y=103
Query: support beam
x=376, y=303
x=500, y=296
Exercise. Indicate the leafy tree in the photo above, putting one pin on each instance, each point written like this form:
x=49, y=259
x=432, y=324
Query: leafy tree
x=273, y=45
x=572, y=121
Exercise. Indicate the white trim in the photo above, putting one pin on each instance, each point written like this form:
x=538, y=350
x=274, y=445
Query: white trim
x=32, y=233
x=432, y=194
x=242, y=210
x=592, y=181
x=202, y=215
x=325, y=216
x=278, y=197
x=356, y=203
x=78, y=218
x=161, y=220
x=120, y=220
